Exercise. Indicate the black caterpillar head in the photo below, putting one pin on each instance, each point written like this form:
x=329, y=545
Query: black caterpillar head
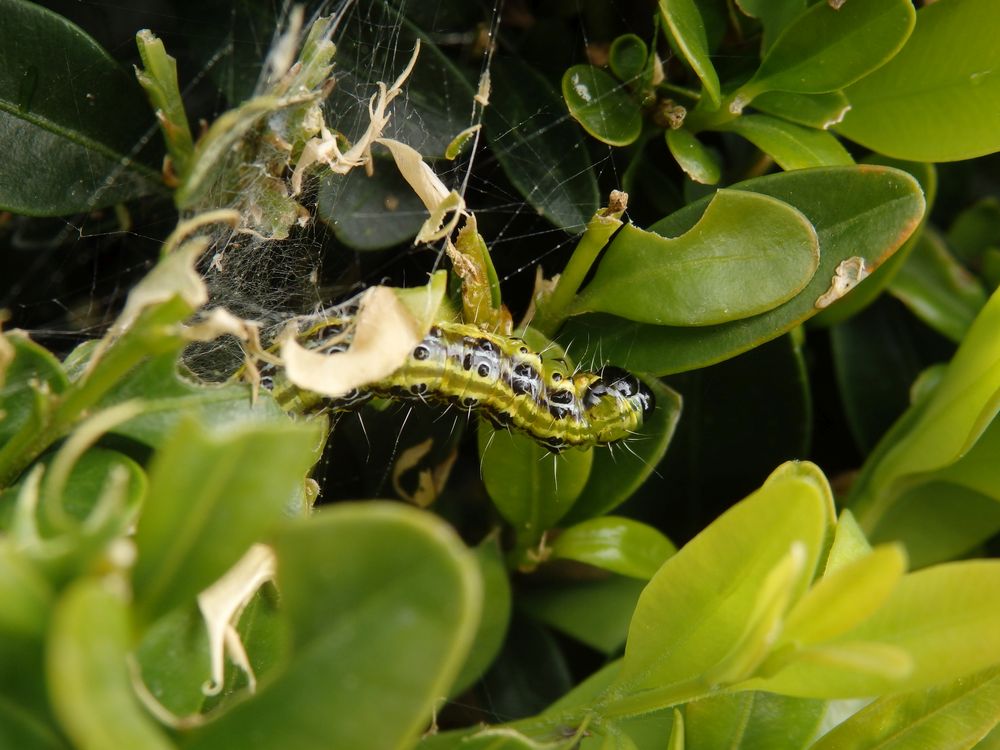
x=629, y=386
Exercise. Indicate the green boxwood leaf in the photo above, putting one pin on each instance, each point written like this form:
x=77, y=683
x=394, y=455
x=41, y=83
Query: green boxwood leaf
x=975, y=230
x=820, y=111
x=791, y=146
x=849, y=543
x=530, y=487
x=952, y=716
x=752, y=720
x=614, y=543
x=88, y=673
x=876, y=210
x=25, y=594
x=531, y=672
x=596, y=613
x=627, y=57
x=20, y=729
x=952, y=61
x=774, y=16
x=844, y=597
x=63, y=96
x=495, y=615
x=696, y=616
x=937, y=288
x=943, y=621
x=168, y=398
x=370, y=213
x=825, y=49
x=615, y=474
x=541, y=152
x=936, y=432
x=951, y=510
x=698, y=162
x=30, y=379
x=235, y=484
x=747, y=254
x=174, y=660
x=683, y=21
x=876, y=358
x=382, y=602
x=864, y=294
x=601, y=105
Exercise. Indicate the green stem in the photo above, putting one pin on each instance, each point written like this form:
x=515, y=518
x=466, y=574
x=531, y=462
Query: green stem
x=552, y=311
x=672, y=88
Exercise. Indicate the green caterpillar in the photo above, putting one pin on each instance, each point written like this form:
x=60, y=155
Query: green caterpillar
x=498, y=376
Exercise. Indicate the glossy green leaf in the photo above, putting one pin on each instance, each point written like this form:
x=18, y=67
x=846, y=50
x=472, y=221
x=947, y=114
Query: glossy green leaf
x=168, y=398
x=235, y=484
x=25, y=594
x=844, y=597
x=825, y=49
x=936, y=432
x=774, y=15
x=951, y=61
x=88, y=673
x=937, y=288
x=943, y=621
x=876, y=282
x=946, y=717
x=791, y=146
x=849, y=543
x=98, y=481
x=975, y=230
x=18, y=728
x=596, y=613
x=951, y=510
x=370, y=213
x=752, y=720
x=62, y=94
x=876, y=210
x=710, y=614
x=747, y=254
x=615, y=474
x=382, y=602
x=174, y=661
x=531, y=487
x=683, y=20
x=616, y=544
x=698, y=162
x=627, y=57
x=32, y=375
x=991, y=267
x=541, y=152
x=601, y=105
x=876, y=358
x=495, y=615
x=531, y=672
x=820, y=111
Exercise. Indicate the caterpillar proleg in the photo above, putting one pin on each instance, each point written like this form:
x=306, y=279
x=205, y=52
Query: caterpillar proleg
x=498, y=376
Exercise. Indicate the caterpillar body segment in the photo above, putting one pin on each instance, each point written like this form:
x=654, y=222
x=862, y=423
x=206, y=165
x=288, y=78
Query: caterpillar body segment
x=499, y=376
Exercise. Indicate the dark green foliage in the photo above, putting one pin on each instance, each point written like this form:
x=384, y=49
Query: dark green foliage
x=183, y=563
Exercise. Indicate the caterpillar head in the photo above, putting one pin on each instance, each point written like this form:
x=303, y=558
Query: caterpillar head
x=616, y=402
x=629, y=386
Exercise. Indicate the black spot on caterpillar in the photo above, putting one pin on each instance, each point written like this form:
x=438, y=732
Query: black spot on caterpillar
x=498, y=376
